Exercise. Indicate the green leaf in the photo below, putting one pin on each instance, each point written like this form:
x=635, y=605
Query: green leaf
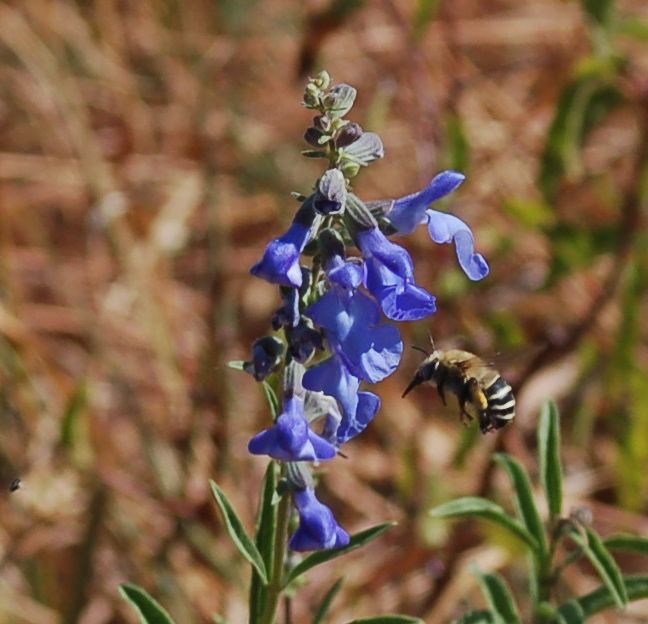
x=149, y=610
x=477, y=617
x=458, y=145
x=475, y=507
x=524, y=498
x=499, y=597
x=322, y=556
x=237, y=532
x=601, y=598
x=272, y=399
x=549, y=457
x=630, y=543
x=325, y=604
x=388, y=619
x=236, y=364
x=264, y=537
x=607, y=568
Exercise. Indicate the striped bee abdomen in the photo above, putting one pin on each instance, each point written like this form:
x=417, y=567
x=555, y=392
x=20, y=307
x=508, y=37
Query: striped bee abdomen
x=501, y=402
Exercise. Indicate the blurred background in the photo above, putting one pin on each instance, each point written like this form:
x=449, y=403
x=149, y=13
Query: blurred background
x=147, y=153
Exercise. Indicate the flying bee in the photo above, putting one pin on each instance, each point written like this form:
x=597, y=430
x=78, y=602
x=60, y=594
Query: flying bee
x=479, y=388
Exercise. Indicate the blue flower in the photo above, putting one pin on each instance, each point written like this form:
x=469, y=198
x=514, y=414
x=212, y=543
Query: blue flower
x=318, y=528
x=357, y=408
x=390, y=278
x=406, y=213
x=291, y=438
x=303, y=340
x=280, y=262
x=369, y=350
x=446, y=228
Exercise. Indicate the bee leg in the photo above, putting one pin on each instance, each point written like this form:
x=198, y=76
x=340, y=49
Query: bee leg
x=440, y=384
x=465, y=397
x=479, y=400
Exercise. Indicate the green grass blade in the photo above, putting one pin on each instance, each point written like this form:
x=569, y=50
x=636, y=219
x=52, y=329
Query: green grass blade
x=264, y=539
x=499, y=598
x=238, y=534
x=322, y=556
x=477, y=617
x=149, y=610
x=524, y=499
x=475, y=507
x=549, y=457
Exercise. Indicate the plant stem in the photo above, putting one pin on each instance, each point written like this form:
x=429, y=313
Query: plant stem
x=275, y=583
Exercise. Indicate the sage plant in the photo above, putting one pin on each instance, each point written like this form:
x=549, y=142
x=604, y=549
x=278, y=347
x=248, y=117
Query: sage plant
x=341, y=280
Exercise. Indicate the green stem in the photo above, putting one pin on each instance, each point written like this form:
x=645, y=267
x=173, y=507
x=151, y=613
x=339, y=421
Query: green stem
x=276, y=581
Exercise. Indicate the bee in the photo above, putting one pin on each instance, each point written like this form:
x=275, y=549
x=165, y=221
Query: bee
x=481, y=391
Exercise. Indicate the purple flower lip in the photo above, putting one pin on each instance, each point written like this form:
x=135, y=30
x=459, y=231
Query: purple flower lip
x=291, y=438
x=318, y=528
x=280, y=261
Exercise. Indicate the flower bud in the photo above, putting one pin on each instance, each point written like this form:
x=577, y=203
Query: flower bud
x=266, y=356
x=349, y=133
x=322, y=80
x=331, y=193
x=350, y=169
x=312, y=136
x=311, y=96
x=339, y=100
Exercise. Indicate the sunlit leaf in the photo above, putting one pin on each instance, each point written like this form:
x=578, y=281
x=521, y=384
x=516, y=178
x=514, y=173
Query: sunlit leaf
x=237, y=532
x=549, y=457
x=148, y=609
x=524, y=498
x=607, y=568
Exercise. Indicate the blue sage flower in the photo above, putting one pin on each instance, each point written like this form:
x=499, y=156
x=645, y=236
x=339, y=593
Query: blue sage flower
x=390, y=278
x=291, y=438
x=280, y=262
x=303, y=340
x=318, y=528
x=357, y=409
x=351, y=320
x=406, y=213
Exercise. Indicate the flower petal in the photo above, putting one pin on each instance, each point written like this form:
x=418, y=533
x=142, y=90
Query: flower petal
x=349, y=427
x=409, y=211
x=318, y=528
x=446, y=228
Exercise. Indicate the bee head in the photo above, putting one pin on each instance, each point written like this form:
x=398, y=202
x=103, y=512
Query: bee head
x=425, y=370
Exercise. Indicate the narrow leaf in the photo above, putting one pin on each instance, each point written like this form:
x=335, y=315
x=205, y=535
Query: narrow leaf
x=322, y=556
x=475, y=507
x=499, y=597
x=601, y=598
x=325, y=604
x=630, y=543
x=388, y=619
x=599, y=556
x=264, y=537
x=236, y=364
x=549, y=457
x=237, y=532
x=149, y=610
x=524, y=498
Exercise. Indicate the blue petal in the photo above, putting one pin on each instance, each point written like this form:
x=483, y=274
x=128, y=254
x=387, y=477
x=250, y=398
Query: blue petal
x=374, y=244
x=332, y=378
x=290, y=438
x=409, y=211
x=351, y=426
x=446, y=228
x=318, y=528
x=409, y=303
x=347, y=274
